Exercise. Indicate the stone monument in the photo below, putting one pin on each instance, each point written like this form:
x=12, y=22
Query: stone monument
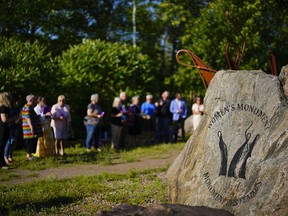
x=188, y=126
x=237, y=159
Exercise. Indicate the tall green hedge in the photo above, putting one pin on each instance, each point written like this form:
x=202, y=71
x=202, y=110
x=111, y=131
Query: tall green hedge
x=27, y=68
x=106, y=68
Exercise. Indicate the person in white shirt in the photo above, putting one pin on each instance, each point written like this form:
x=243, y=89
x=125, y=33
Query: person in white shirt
x=197, y=111
x=61, y=119
x=45, y=144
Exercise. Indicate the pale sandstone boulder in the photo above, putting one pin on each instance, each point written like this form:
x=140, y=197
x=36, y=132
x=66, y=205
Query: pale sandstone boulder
x=237, y=159
x=188, y=125
x=283, y=76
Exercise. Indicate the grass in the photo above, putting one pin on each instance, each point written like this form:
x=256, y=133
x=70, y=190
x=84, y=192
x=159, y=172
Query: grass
x=8, y=176
x=84, y=195
x=78, y=155
x=153, y=152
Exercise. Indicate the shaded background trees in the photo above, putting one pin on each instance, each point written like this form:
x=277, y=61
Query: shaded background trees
x=105, y=68
x=78, y=48
x=27, y=68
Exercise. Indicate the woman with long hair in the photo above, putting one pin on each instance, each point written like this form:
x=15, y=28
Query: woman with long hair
x=4, y=127
x=14, y=111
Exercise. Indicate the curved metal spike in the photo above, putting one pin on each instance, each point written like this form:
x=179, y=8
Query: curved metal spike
x=206, y=73
x=235, y=64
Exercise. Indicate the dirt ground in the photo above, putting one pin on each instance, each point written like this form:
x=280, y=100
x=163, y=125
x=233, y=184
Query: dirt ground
x=69, y=171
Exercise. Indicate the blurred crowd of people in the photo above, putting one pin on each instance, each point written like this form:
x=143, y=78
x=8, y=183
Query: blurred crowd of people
x=158, y=121
x=45, y=129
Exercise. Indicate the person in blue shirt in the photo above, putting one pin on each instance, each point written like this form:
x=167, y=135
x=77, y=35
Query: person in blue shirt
x=179, y=111
x=148, y=108
x=148, y=112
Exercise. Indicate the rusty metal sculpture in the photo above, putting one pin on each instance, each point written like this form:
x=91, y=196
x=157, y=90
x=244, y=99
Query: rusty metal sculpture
x=206, y=73
x=273, y=64
x=234, y=64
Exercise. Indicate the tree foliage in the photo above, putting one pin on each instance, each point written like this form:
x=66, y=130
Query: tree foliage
x=96, y=66
x=90, y=42
x=263, y=24
x=27, y=68
x=59, y=23
x=178, y=16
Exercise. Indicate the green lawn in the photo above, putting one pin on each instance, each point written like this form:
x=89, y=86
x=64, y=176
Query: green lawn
x=86, y=195
x=78, y=155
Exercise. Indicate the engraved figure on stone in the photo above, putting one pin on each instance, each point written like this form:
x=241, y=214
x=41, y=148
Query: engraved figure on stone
x=238, y=163
x=224, y=155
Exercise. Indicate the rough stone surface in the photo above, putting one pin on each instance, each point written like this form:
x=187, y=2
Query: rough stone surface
x=237, y=159
x=283, y=76
x=188, y=125
x=163, y=210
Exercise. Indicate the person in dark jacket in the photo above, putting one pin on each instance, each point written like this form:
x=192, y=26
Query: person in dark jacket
x=163, y=118
x=134, y=120
x=116, y=123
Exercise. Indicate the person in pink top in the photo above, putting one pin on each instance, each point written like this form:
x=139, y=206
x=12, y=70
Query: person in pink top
x=61, y=119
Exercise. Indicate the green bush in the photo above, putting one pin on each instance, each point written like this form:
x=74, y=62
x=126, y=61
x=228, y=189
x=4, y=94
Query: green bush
x=27, y=68
x=106, y=68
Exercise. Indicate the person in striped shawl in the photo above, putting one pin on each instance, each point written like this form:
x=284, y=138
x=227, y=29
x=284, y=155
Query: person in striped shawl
x=31, y=126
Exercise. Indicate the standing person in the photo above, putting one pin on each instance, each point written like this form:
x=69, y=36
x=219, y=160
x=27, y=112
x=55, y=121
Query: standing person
x=179, y=111
x=45, y=144
x=163, y=116
x=61, y=119
x=31, y=125
x=42, y=109
x=197, y=111
x=14, y=111
x=93, y=123
x=148, y=111
x=134, y=119
x=4, y=128
x=123, y=98
x=116, y=123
